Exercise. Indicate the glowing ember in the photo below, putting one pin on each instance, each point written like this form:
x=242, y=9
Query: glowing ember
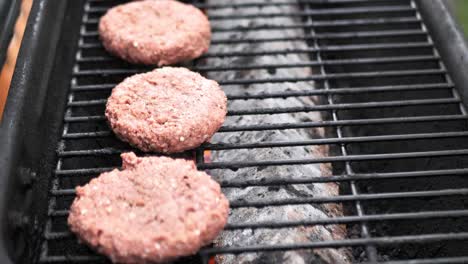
x=212, y=260
x=207, y=156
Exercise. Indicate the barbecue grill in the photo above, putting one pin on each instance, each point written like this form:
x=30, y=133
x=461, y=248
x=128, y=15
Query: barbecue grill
x=391, y=76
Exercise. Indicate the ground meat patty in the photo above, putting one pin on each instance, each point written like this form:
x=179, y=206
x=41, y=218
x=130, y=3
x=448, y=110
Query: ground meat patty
x=166, y=110
x=154, y=210
x=155, y=32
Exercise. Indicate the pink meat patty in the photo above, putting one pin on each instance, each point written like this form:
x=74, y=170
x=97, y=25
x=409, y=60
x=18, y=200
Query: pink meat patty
x=166, y=110
x=155, y=32
x=154, y=210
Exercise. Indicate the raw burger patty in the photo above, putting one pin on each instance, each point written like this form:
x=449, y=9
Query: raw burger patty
x=155, y=210
x=166, y=110
x=155, y=32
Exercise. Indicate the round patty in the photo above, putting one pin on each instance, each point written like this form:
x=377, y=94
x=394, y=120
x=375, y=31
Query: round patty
x=155, y=32
x=166, y=110
x=155, y=210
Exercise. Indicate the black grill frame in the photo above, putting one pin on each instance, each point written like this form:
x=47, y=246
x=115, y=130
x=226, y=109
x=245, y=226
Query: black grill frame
x=26, y=79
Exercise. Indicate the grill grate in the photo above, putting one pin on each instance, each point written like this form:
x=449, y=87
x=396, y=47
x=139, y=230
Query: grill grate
x=394, y=112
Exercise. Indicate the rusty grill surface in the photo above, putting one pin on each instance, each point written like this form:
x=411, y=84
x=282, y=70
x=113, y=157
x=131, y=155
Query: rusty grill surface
x=397, y=130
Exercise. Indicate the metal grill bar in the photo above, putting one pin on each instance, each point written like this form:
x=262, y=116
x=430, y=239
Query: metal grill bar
x=245, y=164
x=274, y=80
x=354, y=122
x=208, y=68
x=330, y=221
x=259, y=111
x=253, y=3
x=285, y=94
x=318, y=200
x=324, y=12
x=320, y=141
x=344, y=158
x=309, y=179
x=329, y=36
x=340, y=48
x=321, y=24
x=342, y=140
x=316, y=24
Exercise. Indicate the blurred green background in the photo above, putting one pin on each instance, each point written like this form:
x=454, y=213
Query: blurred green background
x=460, y=9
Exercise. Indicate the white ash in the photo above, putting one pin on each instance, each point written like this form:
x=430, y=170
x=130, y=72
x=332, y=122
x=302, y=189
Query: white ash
x=284, y=236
